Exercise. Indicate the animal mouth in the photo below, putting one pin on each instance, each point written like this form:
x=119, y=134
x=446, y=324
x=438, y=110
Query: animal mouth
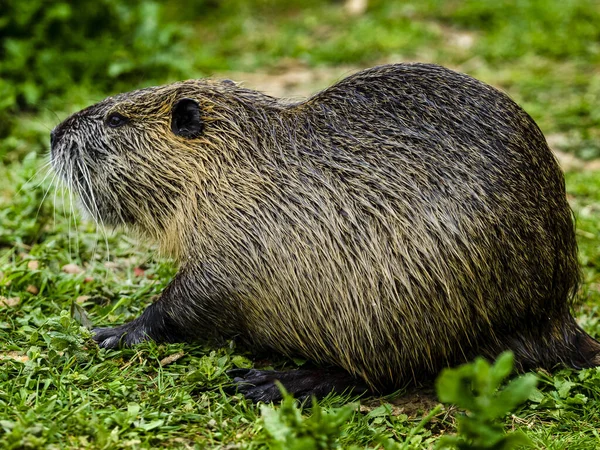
x=65, y=160
x=68, y=163
x=84, y=177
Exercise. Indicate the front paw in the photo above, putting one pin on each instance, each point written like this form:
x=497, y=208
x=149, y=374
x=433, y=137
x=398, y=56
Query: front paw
x=122, y=336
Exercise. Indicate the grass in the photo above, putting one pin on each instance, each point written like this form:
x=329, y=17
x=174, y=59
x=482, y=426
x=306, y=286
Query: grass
x=57, y=390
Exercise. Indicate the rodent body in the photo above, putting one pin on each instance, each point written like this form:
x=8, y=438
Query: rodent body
x=405, y=219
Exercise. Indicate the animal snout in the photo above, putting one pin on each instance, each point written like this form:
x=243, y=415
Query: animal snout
x=56, y=136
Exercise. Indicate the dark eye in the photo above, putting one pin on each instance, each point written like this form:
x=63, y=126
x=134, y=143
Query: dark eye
x=116, y=120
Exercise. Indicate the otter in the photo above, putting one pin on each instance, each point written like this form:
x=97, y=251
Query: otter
x=405, y=219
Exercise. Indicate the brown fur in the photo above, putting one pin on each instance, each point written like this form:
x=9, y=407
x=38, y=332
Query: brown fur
x=405, y=219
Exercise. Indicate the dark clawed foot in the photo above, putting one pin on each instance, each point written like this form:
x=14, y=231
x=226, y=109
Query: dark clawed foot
x=122, y=336
x=154, y=324
x=257, y=385
x=260, y=386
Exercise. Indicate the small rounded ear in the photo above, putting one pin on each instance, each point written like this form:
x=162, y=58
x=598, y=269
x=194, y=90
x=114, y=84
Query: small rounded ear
x=186, y=120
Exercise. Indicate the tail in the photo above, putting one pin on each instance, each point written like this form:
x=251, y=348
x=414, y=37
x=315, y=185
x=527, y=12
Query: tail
x=558, y=342
x=586, y=351
x=571, y=345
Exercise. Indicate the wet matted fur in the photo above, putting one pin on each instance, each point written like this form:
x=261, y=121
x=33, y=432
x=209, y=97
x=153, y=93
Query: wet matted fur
x=405, y=219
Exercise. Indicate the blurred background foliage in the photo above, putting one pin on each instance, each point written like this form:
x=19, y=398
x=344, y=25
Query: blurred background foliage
x=59, y=56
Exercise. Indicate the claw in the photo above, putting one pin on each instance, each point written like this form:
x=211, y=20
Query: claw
x=122, y=336
x=261, y=386
x=237, y=372
x=256, y=385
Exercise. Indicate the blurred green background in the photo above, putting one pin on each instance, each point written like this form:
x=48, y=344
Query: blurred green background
x=58, y=56
x=57, y=390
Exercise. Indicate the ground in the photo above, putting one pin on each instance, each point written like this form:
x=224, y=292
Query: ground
x=57, y=272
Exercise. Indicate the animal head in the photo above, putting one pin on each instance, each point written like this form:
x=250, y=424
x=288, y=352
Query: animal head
x=137, y=159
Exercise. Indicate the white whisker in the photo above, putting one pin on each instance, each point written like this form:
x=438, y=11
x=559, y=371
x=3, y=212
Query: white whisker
x=99, y=225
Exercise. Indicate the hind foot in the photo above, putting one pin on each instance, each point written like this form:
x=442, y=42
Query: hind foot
x=259, y=385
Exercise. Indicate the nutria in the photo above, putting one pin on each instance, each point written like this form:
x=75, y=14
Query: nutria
x=403, y=220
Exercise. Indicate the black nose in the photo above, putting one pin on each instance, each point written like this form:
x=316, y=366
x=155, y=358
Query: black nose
x=52, y=138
